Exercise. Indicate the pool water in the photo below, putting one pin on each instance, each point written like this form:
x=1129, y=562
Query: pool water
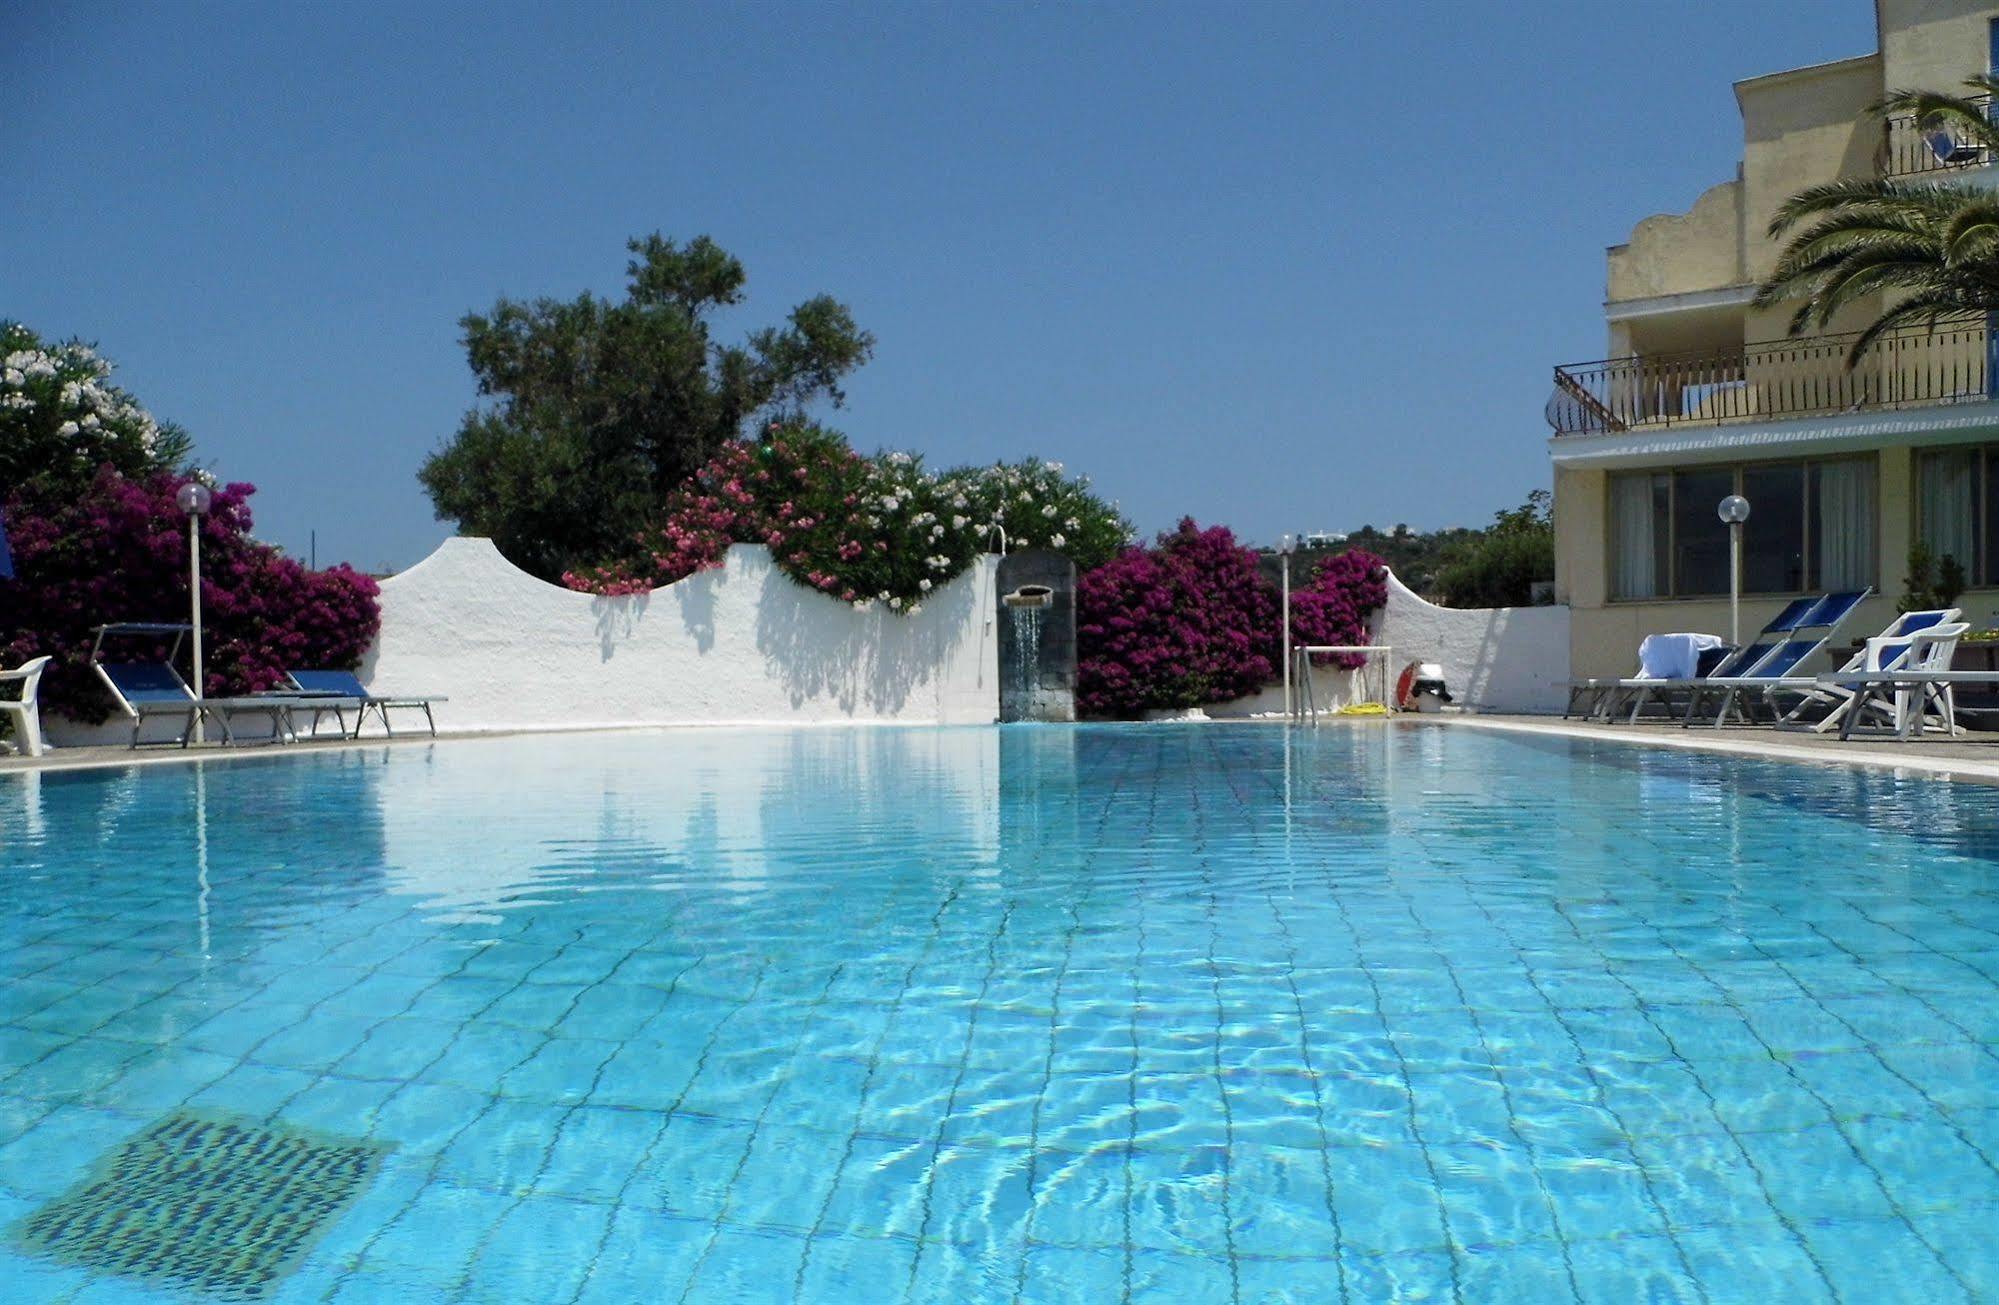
x=1157, y=1013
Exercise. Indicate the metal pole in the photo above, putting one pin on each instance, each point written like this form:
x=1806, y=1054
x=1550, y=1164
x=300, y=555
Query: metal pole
x=1735, y=583
x=194, y=595
x=1287, y=634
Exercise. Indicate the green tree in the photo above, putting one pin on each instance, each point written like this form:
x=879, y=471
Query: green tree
x=1499, y=566
x=1932, y=247
x=601, y=410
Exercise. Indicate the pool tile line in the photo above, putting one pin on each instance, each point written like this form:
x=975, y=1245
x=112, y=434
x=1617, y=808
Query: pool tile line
x=1068, y=947
x=1600, y=1098
x=874, y=1064
x=876, y=923
x=433, y=1163
x=1841, y=1123
x=1211, y=910
x=1502, y=1075
x=554, y=1128
x=957, y=1086
x=668, y=1113
x=1734, y=1134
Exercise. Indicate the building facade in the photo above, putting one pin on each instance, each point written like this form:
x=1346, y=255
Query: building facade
x=1703, y=395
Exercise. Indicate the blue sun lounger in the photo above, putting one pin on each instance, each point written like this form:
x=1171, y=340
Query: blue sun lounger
x=1639, y=691
x=346, y=687
x=147, y=689
x=1778, y=668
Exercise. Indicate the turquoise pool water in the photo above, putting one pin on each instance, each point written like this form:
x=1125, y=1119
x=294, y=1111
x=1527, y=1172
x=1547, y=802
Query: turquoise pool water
x=1036, y=1014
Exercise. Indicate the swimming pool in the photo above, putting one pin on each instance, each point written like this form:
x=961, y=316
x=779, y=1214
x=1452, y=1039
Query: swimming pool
x=1037, y=1014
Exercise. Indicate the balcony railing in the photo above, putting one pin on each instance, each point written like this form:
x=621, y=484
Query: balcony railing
x=1910, y=150
x=1908, y=368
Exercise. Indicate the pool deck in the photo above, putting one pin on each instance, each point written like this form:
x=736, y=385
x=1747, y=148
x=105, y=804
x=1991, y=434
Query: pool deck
x=1971, y=757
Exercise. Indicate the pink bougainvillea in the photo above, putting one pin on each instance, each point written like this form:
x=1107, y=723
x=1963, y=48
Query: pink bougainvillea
x=118, y=552
x=1335, y=604
x=827, y=515
x=1192, y=620
x=866, y=530
x=1185, y=622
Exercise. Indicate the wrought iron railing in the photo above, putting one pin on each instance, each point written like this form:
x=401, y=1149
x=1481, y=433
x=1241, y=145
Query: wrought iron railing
x=1909, y=149
x=1906, y=368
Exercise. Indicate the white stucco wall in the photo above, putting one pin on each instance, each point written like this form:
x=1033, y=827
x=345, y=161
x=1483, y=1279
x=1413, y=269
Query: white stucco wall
x=1511, y=659
x=1494, y=658
x=743, y=643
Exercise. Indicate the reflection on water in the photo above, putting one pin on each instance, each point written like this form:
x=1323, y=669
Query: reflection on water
x=1034, y=1013
x=732, y=811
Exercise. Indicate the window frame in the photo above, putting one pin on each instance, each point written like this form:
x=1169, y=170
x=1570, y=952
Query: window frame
x=1979, y=574
x=1736, y=472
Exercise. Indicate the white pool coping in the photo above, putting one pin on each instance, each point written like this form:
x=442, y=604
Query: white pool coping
x=1769, y=745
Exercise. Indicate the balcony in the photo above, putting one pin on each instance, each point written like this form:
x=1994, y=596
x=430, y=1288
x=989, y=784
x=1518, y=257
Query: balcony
x=1909, y=150
x=1909, y=368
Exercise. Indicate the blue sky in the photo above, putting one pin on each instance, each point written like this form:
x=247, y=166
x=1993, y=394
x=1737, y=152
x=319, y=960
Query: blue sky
x=1282, y=266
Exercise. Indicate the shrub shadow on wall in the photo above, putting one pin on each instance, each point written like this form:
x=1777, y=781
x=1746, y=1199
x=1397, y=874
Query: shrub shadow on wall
x=877, y=660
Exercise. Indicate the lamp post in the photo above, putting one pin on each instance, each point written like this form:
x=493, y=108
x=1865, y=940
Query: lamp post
x=1287, y=544
x=1734, y=510
x=194, y=499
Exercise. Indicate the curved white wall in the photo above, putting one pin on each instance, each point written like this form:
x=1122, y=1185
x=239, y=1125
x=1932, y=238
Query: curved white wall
x=1494, y=658
x=742, y=643
x=1513, y=659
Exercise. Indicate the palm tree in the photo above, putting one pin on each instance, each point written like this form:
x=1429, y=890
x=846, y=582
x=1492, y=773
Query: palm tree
x=1933, y=244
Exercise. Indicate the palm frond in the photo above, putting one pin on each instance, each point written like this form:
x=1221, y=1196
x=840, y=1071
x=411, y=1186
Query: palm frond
x=1870, y=194
x=1929, y=308
x=1966, y=119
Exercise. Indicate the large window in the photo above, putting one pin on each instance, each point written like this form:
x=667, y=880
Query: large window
x=1811, y=527
x=1957, y=509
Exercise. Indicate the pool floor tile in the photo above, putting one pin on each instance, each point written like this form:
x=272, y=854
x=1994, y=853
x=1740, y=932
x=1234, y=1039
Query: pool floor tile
x=1039, y=1015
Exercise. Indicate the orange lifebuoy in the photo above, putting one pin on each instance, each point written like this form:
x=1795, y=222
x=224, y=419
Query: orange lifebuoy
x=1404, y=683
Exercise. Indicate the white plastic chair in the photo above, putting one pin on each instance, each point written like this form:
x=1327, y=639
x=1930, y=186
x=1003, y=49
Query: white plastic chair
x=1929, y=651
x=26, y=710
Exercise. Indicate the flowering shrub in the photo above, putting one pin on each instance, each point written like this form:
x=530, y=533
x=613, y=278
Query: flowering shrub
x=60, y=419
x=1186, y=622
x=863, y=530
x=1039, y=506
x=1334, y=605
x=1192, y=620
x=117, y=551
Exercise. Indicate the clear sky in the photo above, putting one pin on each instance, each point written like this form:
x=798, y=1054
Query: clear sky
x=1282, y=266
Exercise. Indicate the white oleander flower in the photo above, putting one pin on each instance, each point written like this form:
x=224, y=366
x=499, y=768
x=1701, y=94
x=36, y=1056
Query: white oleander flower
x=960, y=522
x=884, y=595
x=862, y=605
x=914, y=608
x=20, y=402
x=1058, y=541
x=937, y=532
x=1073, y=523
x=924, y=584
x=13, y=376
x=890, y=503
x=1048, y=511
x=72, y=394
x=67, y=428
x=90, y=421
